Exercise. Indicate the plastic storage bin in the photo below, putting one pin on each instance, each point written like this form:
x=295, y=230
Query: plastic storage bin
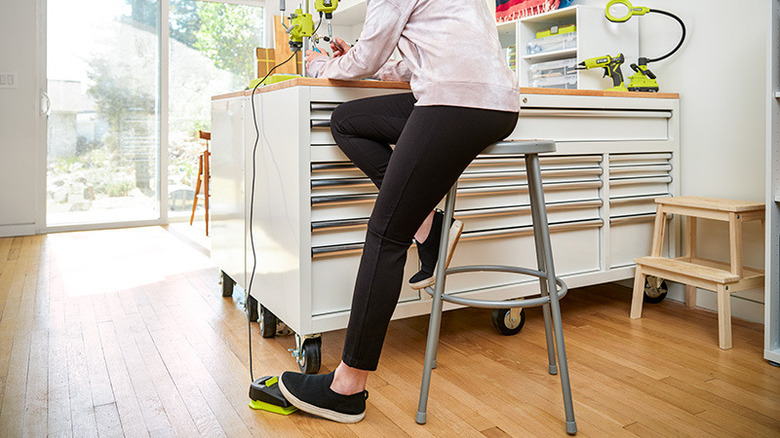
x=568, y=82
x=510, y=54
x=555, y=30
x=560, y=73
x=553, y=43
x=560, y=67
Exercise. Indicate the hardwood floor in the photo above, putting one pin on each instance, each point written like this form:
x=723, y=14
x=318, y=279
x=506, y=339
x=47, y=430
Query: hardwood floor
x=125, y=333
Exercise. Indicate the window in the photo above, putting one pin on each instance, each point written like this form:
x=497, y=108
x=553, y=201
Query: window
x=104, y=75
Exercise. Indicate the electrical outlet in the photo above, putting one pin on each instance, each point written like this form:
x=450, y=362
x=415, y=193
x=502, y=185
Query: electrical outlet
x=7, y=79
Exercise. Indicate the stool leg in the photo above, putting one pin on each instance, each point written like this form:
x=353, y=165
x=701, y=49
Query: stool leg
x=537, y=203
x=434, y=323
x=541, y=264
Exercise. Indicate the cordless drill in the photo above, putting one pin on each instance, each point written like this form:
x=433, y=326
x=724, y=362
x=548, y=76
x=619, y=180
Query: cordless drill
x=611, y=66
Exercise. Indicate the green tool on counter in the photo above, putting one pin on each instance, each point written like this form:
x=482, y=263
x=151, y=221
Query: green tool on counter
x=619, y=11
x=643, y=79
x=611, y=66
x=270, y=80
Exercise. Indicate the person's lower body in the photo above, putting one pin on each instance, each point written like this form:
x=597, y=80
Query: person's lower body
x=433, y=145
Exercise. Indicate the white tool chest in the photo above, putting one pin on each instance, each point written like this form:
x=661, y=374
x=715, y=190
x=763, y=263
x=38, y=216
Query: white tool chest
x=615, y=154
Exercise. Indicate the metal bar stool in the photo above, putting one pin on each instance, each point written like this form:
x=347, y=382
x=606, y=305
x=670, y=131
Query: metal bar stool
x=546, y=274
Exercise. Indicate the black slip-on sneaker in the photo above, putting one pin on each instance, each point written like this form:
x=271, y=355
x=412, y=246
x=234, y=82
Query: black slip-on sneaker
x=311, y=393
x=428, y=251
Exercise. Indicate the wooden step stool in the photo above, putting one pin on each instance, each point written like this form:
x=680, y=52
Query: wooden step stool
x=697, y=272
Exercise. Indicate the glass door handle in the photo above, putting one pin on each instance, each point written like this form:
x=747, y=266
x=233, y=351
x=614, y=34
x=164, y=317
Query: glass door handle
x=46, y=102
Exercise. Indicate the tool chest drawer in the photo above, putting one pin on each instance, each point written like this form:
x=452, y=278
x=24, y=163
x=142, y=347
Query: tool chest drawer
x=630, y=237
x=635, y=180
x=338, y=275
x=575, y=124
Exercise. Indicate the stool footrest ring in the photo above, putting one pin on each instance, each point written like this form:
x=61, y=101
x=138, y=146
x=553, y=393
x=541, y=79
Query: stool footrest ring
x=492, y=304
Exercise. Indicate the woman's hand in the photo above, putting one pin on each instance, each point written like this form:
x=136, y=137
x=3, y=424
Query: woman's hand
x=310, y=55
x=339, y=47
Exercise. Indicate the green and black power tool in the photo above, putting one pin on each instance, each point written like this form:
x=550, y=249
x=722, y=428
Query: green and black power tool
x=643, y=79
x=619, y=11
x=611, y=66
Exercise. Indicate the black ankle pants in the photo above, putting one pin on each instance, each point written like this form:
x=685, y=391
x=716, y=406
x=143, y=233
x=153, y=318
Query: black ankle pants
x=433, y=145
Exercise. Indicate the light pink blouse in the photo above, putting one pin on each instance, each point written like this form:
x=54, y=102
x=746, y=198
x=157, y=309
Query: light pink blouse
x=450, y=50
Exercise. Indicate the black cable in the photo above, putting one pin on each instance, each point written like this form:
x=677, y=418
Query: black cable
x=318, y=24
x=252, y=210
x=682, y=38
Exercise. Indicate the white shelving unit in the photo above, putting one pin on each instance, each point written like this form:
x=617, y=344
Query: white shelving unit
x=595, y=36
x=772, y=233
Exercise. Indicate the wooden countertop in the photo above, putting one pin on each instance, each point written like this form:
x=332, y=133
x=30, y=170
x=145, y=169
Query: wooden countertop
x=316, y=82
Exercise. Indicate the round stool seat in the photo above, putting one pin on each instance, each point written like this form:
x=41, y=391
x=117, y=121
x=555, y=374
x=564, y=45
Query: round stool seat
x=520, y=147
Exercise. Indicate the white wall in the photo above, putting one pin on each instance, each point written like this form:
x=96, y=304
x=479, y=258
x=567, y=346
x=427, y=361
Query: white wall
x=720, y=73
x=18, y=119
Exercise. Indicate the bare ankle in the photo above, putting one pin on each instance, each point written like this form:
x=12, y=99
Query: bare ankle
x=425, y=228
x=348, y=380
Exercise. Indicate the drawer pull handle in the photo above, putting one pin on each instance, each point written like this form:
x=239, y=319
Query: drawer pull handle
x=523, y=188
x=546, y=173
x=639, y=114
x=526, y=208
x=318, y=106
x=336, y=224
x=625, y=220
x=633, y=181
x=320, y=123
x=639, y=158
x=341, y=182
x=345, y=199
x=666, y=167
x=528, y=230
x=646, y=199
x=336, y=250
x=332, y=166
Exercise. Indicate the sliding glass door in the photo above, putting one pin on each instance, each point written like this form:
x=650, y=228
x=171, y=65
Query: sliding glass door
x=112, y=116
x=103, y=83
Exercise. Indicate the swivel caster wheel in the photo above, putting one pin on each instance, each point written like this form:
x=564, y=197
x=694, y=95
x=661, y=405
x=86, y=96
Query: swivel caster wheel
x=506, y=323
x=308, y=353
x=267, y=323
x=655, y=289
x=227, y=285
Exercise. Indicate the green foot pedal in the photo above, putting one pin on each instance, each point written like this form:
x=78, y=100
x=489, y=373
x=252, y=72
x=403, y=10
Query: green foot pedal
x=265, y=395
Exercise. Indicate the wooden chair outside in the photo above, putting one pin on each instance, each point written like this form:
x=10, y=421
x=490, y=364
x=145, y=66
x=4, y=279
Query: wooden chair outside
x=204, y=173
